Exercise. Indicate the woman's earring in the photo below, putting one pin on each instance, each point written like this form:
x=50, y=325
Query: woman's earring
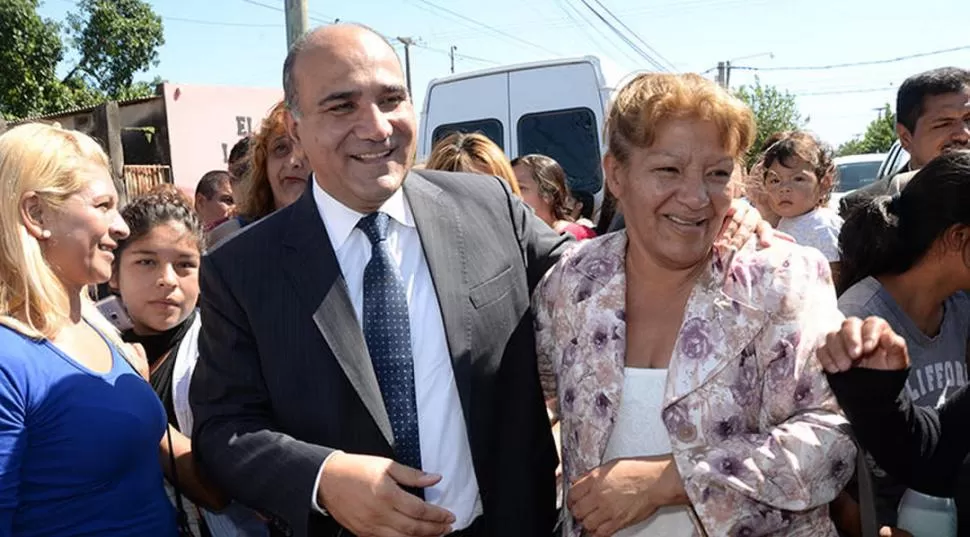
x=46, y=234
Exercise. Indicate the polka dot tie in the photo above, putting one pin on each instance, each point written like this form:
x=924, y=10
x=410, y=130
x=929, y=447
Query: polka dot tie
x=387, y=331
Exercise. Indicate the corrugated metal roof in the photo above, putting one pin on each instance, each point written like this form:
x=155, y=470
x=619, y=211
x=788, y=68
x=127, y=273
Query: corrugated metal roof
x=80, y=110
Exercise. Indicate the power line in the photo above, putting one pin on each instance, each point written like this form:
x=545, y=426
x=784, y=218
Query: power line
x=854, y=64
x=320, y=19
x=565, y=6
x=657, y=65
x=636, y=36
x=554, y=23
x=220, y=23
x=682, y=5
x=844, y=92
x=486, y=26
x=457, y=55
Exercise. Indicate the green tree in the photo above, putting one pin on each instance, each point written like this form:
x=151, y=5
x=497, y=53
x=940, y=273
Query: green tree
x=109, y=41
x=115, y=39
x=774, y=111
x=30, y=49
x=878, y=138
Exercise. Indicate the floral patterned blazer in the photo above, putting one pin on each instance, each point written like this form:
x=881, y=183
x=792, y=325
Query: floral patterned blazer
x=756, y=433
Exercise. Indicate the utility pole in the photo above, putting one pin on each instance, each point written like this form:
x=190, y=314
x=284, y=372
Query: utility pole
x=453, y=49
x=724, y=74
x=407, y=42
x=296, y=20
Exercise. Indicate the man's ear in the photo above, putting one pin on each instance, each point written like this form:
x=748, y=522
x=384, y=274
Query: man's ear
x=32, y=215
x=905, y=137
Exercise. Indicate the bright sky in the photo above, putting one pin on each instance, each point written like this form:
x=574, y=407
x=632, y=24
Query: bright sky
x=243, y=42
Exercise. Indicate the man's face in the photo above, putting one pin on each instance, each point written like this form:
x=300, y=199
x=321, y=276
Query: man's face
x=218, y=207
x=943, y=126
x=355, y=121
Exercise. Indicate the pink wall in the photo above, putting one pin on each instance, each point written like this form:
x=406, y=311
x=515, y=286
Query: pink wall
x=204, y=122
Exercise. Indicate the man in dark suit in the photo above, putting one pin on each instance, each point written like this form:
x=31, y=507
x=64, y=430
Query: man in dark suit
x=367, y=361
x=932, y=116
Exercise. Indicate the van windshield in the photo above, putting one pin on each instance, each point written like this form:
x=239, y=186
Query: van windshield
x=570, y=137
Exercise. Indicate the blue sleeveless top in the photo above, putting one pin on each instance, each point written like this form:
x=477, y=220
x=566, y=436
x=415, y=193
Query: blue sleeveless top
x=79, y=450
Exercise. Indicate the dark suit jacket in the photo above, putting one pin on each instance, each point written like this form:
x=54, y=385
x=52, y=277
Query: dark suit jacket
x=284, y=377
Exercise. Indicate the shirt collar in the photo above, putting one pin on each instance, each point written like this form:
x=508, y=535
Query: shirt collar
x=341, y=220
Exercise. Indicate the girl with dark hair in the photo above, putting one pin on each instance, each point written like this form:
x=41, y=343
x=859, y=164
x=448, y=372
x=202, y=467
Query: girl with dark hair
x=542, y=182
x=156, y=273
x=906, y=259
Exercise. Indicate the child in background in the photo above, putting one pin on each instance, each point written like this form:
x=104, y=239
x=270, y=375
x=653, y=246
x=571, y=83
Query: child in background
x=799, y=176
x=156, y=275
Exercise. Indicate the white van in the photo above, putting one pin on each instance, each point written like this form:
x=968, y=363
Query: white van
x=555, y=108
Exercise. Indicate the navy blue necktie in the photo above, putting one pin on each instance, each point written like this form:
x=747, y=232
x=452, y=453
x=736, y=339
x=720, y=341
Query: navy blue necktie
x=387, y=331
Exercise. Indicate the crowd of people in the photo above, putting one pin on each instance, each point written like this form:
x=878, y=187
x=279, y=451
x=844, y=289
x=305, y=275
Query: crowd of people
x=331, y=339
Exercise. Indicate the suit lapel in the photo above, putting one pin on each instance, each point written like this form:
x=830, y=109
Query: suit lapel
x=442, y=239
x=311, y=264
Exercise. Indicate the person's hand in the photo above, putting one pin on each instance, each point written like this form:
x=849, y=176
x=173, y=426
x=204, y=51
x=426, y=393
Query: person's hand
x=139, y=359
x=887, y=531
x=624, y=492
x=871, y=344
x=364, y=495
x=742, y=221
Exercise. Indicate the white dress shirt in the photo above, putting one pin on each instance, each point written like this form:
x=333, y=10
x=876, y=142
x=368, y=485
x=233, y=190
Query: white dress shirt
x=441, y=425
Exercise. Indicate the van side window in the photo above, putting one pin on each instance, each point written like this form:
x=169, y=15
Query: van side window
x=571, y=138
x=492, y=128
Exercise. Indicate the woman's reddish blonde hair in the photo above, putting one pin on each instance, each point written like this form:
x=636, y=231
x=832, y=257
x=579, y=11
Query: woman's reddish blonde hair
x=257, y=194
x=644, y=104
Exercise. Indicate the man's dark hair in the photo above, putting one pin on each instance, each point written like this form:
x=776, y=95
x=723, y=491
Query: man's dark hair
x=239, y=150
x=289, y=84
x=911, y=97
x=210, y=181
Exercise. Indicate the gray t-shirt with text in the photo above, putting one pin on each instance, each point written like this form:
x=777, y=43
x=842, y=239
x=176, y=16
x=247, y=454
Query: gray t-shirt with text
x=938, y=364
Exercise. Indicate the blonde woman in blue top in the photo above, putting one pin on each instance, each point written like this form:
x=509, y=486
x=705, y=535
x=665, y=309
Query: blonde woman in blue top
x=80, y=429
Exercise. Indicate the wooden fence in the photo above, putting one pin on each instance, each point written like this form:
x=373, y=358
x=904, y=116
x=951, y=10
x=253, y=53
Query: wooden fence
x=141, y=179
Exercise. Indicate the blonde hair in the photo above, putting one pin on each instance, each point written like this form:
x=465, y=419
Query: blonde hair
x=46, y=160
x=646, y=102
x=257, y=194
x=472, y=153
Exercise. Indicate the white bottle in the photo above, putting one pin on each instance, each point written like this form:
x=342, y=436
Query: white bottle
x=927, y=516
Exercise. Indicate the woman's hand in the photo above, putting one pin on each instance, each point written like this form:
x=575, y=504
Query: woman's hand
x=624, y=492
x=742, y=221
x=871, y=344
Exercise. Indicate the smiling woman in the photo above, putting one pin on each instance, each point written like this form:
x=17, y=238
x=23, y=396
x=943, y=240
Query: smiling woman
x=276, y=177
x=79, y=429
x=684, y=372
